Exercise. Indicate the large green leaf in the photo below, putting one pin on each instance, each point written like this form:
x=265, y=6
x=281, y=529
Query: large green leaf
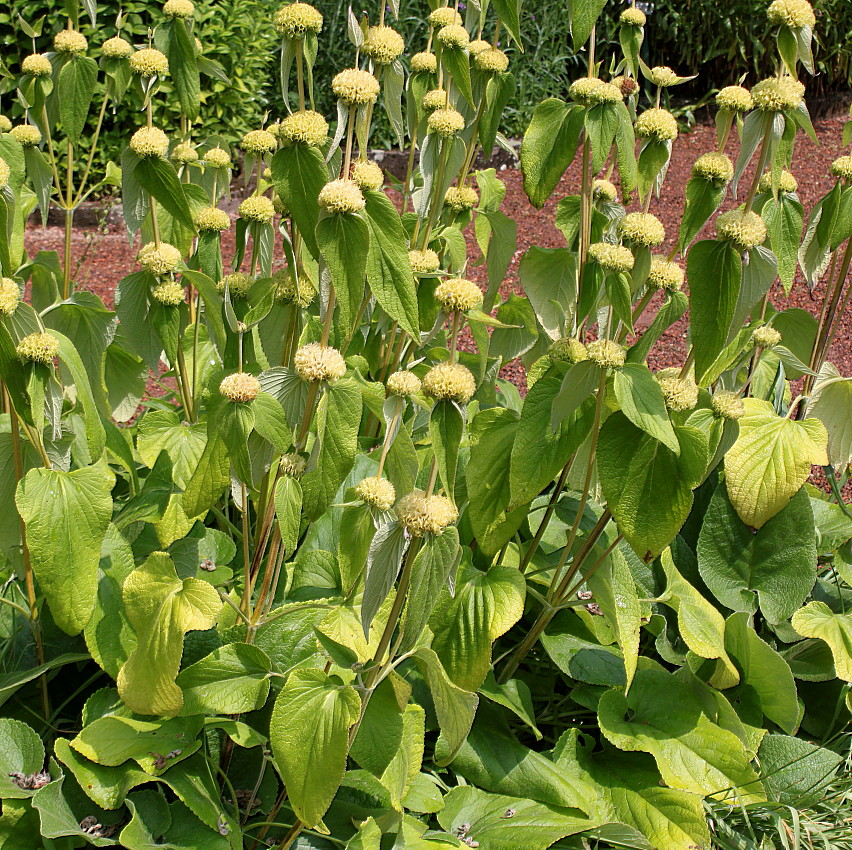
x=309, y=732
x=446, y=427
x=714, y=270
x=817, y=620
x=344, y=241
x=161, y=608
x=774, y=567
x=549, y=146
x=299, y=174
x=584, y=15
x=74, y=91
x=798, y=773
x=484, y=607
x=784, y=218
x=498, y=822
x=771, y=460
x=21, y=751
x=158, y=176
x=642, y=402
x=702, y=200
x=164, y=431
x=183, y=66
x=664, y=717
x=764, y=670
x=831, y=402
x=388, y=269
x=647, y=486
x=66, y=516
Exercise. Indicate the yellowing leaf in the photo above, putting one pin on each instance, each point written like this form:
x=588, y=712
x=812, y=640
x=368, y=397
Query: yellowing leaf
x=817, y=620
x=770, y=461
x=161, y=608
x=831, y=403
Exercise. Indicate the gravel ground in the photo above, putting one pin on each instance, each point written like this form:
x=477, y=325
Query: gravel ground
x=105, y=256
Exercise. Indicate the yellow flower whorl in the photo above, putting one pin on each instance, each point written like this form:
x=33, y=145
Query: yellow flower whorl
x=368, y=176
x=680, y=393
x=306, y=127
x=297, y=20
x=5, y=173
x=657, y=124
x=461, y=198
x=458, y=294
x=727, y=405
x=257, y=208
x=10, y=296
x=159, y=259
x=286, y=288
x=640, y=228
x=735, y=99
x=211, y=220
x=149, y=62
x=568, y=350
x=446, y=122
x=384, y=45
x=217, y=158
x=434, y=99
x=258, y=142
x=453, y=36
x=611, y=258
x=786, y=182
x=181, y=9
x=794, y=14
x=665, y=274
x=148, y=142
x=240, y=388
x=237, y=284
x=354, y=87
x=37, y=65
x=424, y=262
x=590, y=91
x=5, y=124
x=377, y=492
x=71, y=42
x=38, y=348
x=28, y=135
x=492, y=60
x=604, y=190
x=745, y=229
x=293, y=465
x=404, y=384
x=424, y=63
x=778, y=94
x=842, y=168
x=606, y=354
x=341, y=196
x=116, y=48
x=443, y=16
x=715, y=168
x=184, y=153
x=450, y=381
x=169, y=293
x=766, y=337
x=632, y=17
x=421, y=514
x=315, y=362
x=477, y=46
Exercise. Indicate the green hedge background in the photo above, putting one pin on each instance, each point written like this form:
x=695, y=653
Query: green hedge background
x=720, y=41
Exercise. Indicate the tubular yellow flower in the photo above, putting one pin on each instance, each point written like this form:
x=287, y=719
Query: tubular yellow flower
x=377, y=492
x=444, y=16
x=735, y=99
x=169, y=293
x=298, y=19
x=240, y=387
x=383, y=45
x=37, y=65
x=492, y=60
x=286, y=290
x=727, y=405
x=657, y=124
x=404, y=384
x=568, y=350
x=435, y=99
x=368, y=176
x=450, y=381
x=632, y=17
x=258, y=142
x=341, y=196
x=446, y=122
x=5, y=173
x=453, y=36
x=10, y=296
x=38, y=348
x=665, y=274
x=116, y=48
x=293, y=465
x=604, y=190
x=842, y=168
x=766, y=337
x=257, y=208
x=590, y=91
x=606, y=354
x=354, y=87
x=184, y=153
x=745, y=229
x=680, y=393
x=179, y=9
x=794, y=14
x=315, y=362
x=159, y=259
x=211, y=220
x=424, y=262
x=149, y=142
x=786, y=182
x=149, y=62
x=421, y=514
x=424, y=63
x=306, y=127
x=5, y=124
x=715, y=168
x=27, y=134
x=461, y=198
x=70, y=41
x=237, y=284
x=778, y=94
x=217, y=158
x=458, y=293
x=642, y=229
x=611, y=258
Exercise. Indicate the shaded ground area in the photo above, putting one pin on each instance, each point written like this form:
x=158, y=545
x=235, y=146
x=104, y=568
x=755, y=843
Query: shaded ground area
x=106, y=255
